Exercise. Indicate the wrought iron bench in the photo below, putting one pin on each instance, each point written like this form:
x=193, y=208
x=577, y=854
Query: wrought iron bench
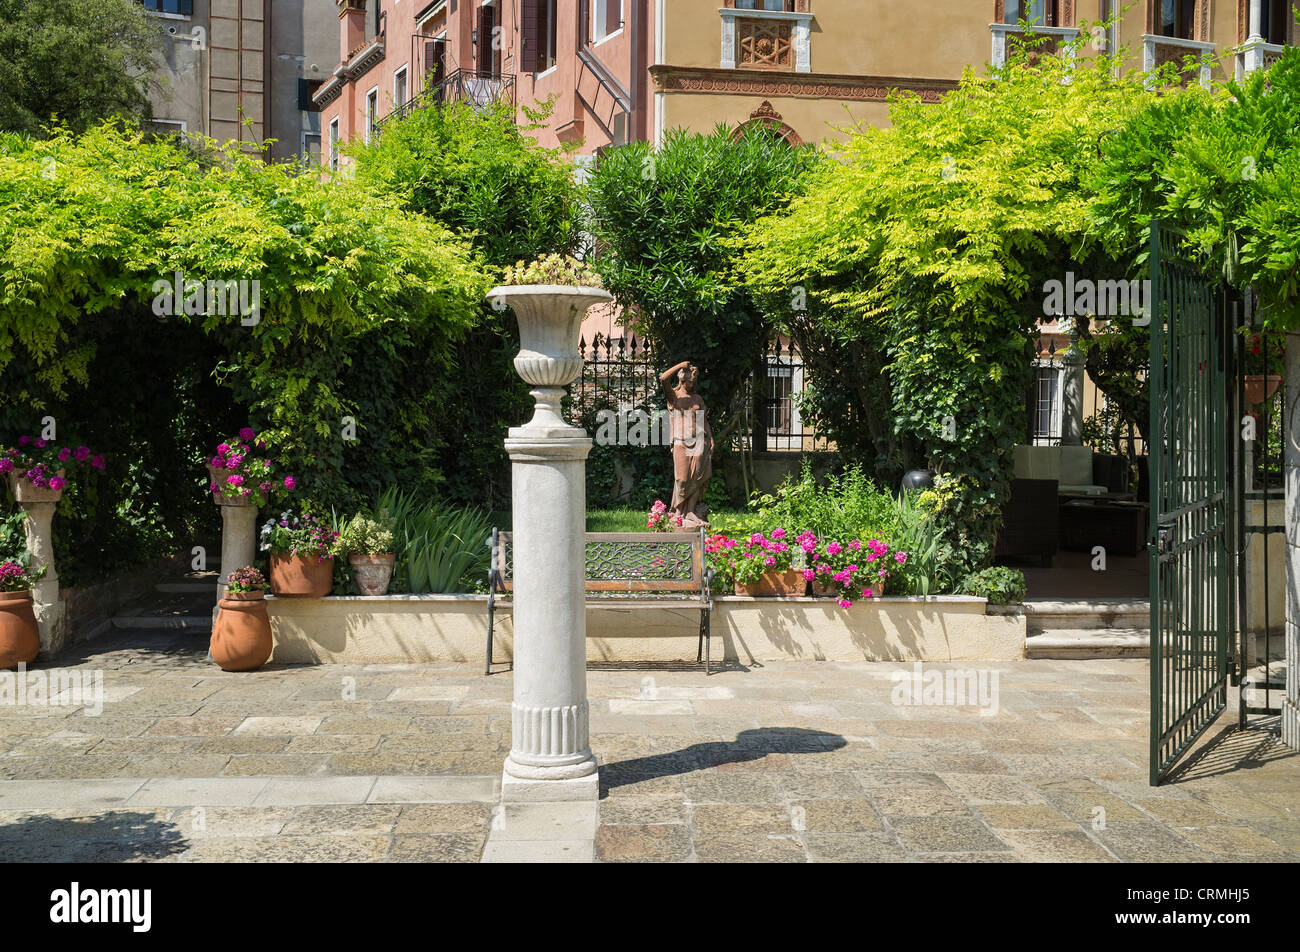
x=627, y=571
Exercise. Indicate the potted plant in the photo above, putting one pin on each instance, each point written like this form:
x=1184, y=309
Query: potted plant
x=20, y=639
x=240, y=474
x=766, y=567
x=659, y=519
x=368, y=545
x=241, y=634
x=37, y=468
x=302, y=555
x=1265, y=359
x=841, y=571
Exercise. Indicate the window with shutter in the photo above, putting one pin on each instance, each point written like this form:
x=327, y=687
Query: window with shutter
x=529, y=35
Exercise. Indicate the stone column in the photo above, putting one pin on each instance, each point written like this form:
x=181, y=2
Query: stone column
x=1254, y=51
x=38, y=527
x=1072, y=391
x=550, y=754
x=1291, y=465
x=238, y=541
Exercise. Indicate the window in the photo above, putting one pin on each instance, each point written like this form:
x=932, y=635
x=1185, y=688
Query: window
x=372, y=113
x=537, y=26
x=166, y=126
x=1178, y=19
x=1034, y=12
x=310, y=151
x=607, y=18
x=1274, y=17
x=399, y=88
x=1047, y=405
x=184, y=8
x=488, y=44
x=334, y=144
x=777, y=5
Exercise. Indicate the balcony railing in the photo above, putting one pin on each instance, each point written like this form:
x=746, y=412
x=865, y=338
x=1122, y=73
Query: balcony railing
x=477, y=87
x=1159, y=50
x=1257, y=55
x=1056, y=38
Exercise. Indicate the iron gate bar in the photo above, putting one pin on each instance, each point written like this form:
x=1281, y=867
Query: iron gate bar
x=1189, y=503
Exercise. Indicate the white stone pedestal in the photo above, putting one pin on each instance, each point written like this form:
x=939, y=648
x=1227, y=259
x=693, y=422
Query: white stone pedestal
x=550, y=753
x=38, y=527
x=1291, y=472
x=550, y=756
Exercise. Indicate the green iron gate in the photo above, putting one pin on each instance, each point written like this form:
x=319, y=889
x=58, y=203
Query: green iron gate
x=1190, y=507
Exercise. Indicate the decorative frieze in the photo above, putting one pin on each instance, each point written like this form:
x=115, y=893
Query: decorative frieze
x=683, y=79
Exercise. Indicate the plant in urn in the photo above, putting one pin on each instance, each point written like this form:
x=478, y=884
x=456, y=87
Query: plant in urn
x=550, y=755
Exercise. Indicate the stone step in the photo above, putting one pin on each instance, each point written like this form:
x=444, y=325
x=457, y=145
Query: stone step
x=1046, y=616
x=194, y=623
x=1084, y=643
x=168, y=588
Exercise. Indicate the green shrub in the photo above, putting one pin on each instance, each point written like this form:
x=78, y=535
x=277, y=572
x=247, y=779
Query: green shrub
x=844, y=506
x=1000, y=585
x=362, y=535
x=438, y=548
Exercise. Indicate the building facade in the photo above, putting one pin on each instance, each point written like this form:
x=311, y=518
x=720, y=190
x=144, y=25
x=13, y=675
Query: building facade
x=626, y=70
x=242, y=70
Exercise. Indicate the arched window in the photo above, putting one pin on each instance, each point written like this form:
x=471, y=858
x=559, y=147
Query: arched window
x=766, y=116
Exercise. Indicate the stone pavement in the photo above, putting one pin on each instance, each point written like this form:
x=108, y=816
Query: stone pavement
x=792, y=762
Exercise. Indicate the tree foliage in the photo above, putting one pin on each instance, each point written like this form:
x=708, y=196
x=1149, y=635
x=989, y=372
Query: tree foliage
x=926, y=248
x=74, y=62
x=666, y=221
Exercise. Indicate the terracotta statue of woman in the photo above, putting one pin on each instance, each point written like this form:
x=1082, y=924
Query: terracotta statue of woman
x=692, y=443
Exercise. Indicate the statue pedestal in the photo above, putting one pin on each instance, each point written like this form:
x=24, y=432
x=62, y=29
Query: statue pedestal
x=238, y=541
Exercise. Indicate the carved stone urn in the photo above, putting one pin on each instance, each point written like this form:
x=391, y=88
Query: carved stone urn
x=550, y=753
x=550, y=321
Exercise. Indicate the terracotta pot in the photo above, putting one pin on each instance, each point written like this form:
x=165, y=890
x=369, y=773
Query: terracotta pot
x=301, y=576
x=20, y=639
x=372, y=572
x=1259, y=387
x=216, y=475
x=24, y=491
x=775, y=584
x=241, y=635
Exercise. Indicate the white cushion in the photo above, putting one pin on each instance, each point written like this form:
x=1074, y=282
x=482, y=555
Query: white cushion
x=1076, y=466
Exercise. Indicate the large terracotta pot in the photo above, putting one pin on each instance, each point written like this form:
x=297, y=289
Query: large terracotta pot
x=241, y=635
x=1259, y=387
x=301, y=576
x=20, y=639
x=775, y=584
x=372, y=572
x=216, y=475
x=24, y=491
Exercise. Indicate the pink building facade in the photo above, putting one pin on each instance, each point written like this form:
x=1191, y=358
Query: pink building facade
x=590, y=56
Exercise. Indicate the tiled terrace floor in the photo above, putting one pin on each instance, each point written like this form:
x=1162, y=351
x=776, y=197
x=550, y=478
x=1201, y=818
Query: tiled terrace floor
x=790, y=762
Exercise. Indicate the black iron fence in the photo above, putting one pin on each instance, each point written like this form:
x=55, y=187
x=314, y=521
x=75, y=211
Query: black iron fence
x=618, y=374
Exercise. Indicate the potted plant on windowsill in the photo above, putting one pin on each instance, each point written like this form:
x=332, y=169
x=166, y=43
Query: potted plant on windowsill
x=37, y=468
x=301, y=551
x=241, y=634
x=368, y=545
x=20, y=638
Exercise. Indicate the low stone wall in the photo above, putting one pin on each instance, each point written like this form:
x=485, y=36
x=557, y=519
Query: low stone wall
x=429, y=628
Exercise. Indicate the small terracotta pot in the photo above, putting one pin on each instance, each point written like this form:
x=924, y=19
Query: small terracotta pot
x=301, y=576
x=372, y=572
x=1259, y=387
x=20, y=639
x=241, y=635
x=24, y=491
x=216, y=475
x=775, y=584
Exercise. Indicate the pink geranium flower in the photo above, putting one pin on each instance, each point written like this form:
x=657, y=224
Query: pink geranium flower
x=290, y=483
x=57, y=482
x=97, y=462
x=247, y=433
